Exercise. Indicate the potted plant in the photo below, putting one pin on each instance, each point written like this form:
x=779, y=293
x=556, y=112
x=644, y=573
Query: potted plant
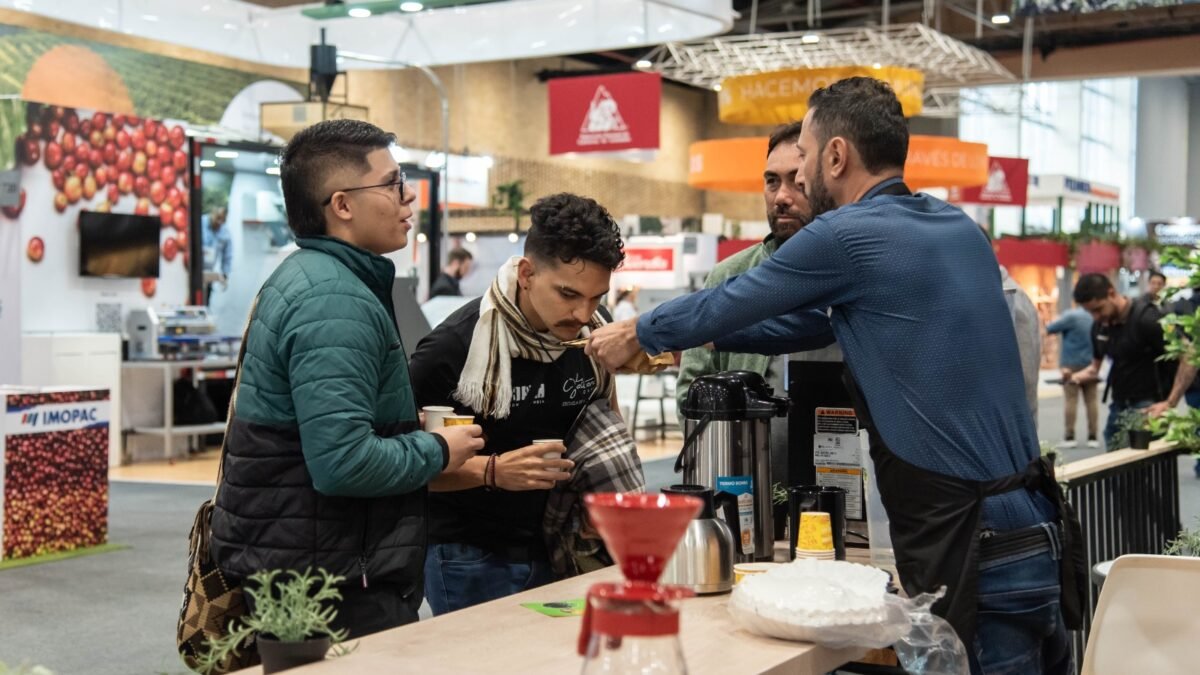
x=510, y=198
x=1133, y=426
x=779, y=501
x=290, y=621
x=1187, y=543
x=1181, y=332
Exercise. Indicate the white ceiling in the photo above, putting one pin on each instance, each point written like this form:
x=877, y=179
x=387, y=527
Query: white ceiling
x=486, y=32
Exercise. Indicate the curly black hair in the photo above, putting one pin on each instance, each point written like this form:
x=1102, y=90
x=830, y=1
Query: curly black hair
x=568, y=228
x=312, y=155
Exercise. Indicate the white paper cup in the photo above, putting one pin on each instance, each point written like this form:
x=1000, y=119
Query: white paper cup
x=435, y=416
x=551, y=441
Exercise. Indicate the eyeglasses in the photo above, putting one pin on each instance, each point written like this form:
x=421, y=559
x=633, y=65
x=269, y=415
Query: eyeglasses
x=398, y=184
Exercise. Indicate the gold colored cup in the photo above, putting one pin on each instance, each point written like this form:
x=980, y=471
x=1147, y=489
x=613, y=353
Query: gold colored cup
x=816, y=531
x=457, y=420
x=743, y=570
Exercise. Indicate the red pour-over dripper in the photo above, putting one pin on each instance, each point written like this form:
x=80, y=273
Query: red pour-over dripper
x=641, y=532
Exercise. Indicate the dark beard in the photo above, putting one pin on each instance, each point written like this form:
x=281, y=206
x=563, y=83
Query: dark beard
x=818, y=195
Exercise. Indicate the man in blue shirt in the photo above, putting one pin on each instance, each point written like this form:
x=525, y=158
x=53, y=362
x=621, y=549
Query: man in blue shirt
x=912, y=291
x=218, y=247
x=1075, y=326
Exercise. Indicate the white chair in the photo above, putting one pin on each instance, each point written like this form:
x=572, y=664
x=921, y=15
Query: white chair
x=1147, y=620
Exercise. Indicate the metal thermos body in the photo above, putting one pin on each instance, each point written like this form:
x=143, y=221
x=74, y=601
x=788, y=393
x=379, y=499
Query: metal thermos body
x=727, y=418
x=703, y=559
x=738, y=448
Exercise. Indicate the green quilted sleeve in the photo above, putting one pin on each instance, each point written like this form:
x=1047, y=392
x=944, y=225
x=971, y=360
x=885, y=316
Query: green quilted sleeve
x=334, y=346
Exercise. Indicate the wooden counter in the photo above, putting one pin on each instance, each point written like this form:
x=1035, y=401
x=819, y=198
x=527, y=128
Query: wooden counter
x=503, y=637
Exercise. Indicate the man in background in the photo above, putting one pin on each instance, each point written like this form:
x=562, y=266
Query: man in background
x=787, y=212
x=1126, y=331
x=218, y=249
x=1029, y=336
x=1075, y=326
x=458, y=265
x=1158, y=281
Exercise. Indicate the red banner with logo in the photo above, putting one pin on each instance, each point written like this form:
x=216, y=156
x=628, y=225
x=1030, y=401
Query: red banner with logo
x=1011, y=251
x=649, y=260
x=1008, y=184
x=605, y=113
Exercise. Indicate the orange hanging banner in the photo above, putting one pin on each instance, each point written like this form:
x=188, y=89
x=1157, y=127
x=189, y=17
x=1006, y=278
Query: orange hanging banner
x=781, y=96
x=941, y=161
x=735, y=164
x=730, y=164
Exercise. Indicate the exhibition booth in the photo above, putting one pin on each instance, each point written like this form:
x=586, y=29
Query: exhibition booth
x=140, y=217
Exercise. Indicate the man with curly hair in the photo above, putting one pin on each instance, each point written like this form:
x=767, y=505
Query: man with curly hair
x=502, y=359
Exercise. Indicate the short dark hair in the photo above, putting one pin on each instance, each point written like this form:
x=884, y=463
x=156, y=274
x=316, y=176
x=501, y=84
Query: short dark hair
x=567, y=228
x=312, y=155
x=1091, y=287
x=1156, y=273
x=459, y=255
x=865, y=112
x=783, y=133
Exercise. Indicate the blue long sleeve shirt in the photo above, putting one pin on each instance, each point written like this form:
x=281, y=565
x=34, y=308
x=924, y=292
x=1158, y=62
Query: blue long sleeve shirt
x=913, y=295
x=1076, y=328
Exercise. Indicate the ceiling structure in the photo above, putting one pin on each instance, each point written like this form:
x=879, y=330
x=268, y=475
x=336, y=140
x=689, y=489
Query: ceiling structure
x=957, y=18
x=276, y=32
x=980, y=27
x=946, y=63
x=613, y=35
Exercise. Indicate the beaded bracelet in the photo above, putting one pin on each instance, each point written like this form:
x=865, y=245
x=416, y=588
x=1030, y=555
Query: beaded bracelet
x=489, y=473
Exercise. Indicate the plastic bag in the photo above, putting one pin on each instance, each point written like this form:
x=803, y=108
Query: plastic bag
x=931, y=646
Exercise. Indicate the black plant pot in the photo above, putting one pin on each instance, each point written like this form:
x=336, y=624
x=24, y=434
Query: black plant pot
x=278, y=656
x=780, y=519
x=1139, y=439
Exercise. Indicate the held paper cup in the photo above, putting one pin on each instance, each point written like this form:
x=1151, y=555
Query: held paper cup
x=551, y=441
x=434, y=414
x=742, y=570
x=458, y=420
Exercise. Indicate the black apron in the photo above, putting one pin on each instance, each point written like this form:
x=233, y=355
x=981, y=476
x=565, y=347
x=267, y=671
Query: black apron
x=935, y=521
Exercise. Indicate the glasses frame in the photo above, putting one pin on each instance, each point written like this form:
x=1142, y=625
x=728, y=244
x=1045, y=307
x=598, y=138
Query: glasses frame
x=401, y=181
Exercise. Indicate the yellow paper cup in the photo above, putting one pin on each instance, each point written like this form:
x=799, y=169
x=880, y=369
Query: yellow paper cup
x=743, y=570
x=816, y=533
x=457, y=420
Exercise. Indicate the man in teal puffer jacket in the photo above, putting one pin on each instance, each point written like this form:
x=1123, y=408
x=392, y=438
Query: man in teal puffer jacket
x=325, y=466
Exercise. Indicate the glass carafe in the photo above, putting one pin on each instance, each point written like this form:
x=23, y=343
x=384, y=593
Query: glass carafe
x=631, y=635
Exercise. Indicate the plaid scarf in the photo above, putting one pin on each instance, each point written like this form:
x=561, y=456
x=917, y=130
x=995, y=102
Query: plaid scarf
x=502, y=334
x=606, y=460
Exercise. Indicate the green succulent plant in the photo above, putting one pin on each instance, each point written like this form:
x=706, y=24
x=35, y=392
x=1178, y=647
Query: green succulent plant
x=289, y=606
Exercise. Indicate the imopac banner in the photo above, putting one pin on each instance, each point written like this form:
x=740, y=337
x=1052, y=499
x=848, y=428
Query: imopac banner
x=605, y=113
x=54, y=487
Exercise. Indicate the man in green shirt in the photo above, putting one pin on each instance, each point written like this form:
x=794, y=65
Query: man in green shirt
x=787, y=212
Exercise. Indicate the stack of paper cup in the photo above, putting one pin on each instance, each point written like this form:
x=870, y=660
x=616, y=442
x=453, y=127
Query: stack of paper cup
x=815, y=541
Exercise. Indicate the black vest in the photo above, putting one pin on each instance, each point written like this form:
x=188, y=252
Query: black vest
x=269, y=516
